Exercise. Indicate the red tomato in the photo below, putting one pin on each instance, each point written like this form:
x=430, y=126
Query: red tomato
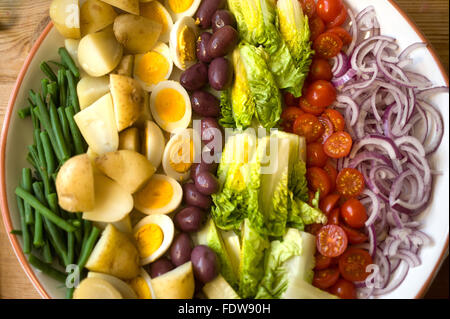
x=338, y=145
x=325, y=278
x=313, y=228
x=308, y=125
x=328, y=10
x=317, y=27
x=342, y=33
x=333, y=218
x=328, y=129
x=315, y=156
x=288, y=117
x=289, y=99
x=309, y=7
x=328, y=203
x=327, y=45
x=308, y=108
x=320, y=70
x=354, y=237
x=336, y=118
x=318, y=180
x=322, y=262
x=332, y=173
x=331, y=241
x=354, y=213
x=353, y=264
x=321, y=94
x=343, y=289
x=340, y=19
x=350, y=182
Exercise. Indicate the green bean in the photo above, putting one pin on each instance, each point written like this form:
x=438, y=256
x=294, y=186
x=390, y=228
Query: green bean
x=27, y=185
x=57, y=130
x=47, y=253
x=25, y=234
x=34, y=119
x=73, y=91
x=48, y=71
x=59, y=65
x=47, y=269
x=16, y=232
x=40, y=149
x=65, y=129
x=87, y=227
x=33, y=201
x=68, y=98
x=52, y=89
x=33, y=96
x=62, y=87
x=48, y=152
x=38, y=240
x=67, y=60
x=69, y=293
x=76, y=134
x=87, y=247
x=23, y=113
x=44, y=91
x=70, y=248
x=30, y=160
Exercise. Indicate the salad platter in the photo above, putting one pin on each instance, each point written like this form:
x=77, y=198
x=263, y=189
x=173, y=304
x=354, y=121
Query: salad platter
x=130, y=167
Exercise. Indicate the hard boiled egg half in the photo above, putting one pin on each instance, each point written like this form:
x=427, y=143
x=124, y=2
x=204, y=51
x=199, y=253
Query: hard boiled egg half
x=153, y=67
x=171, y=106
x=142, y=285
x=155, y=11
x=161, y=195
x=183, y=43
x=182, y=8
x=153, y=235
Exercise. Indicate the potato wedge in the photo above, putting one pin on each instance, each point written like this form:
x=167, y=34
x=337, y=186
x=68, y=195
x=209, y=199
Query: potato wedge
x=146, y=114
x=96, y=288
x=131, y=6
x=90, y=89
x=95, y=15
x=125, y=66
x=136, y=33
x=99, y=53
x=75, y=184
x=122, y=287
x=176, y=284
x=153, y=143
x=128, y=99
x=128, y=168
x=130, y=139
x=114, y=254
x=65, y=15
x=123, y=225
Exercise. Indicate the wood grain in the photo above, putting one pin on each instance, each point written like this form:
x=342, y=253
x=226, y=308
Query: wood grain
x=21, y=22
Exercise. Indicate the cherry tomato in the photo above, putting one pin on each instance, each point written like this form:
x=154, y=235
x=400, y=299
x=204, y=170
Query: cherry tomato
x=333, y=218
x=328, y=129
x=315, y=156
x=331, y=241
x=320, y=70
x=321, y=94
x=318, y=180
x=328, y=10
x=288, y=117
x=314, y=228
x=308, y=125
x=327, y=45
x=340, y=19
x=332, y=173
x=317, y=27
x=350, y=182
x=325, y=278
x=338, y=145
x=328, y=203
x=342, y=33
x=354, y=237
x=322, y=262
x=354, y=213
x=336, y=118
x=353, y=264
x=309, y=7
x=344, y=289
x=289, y=99
x=308, y=108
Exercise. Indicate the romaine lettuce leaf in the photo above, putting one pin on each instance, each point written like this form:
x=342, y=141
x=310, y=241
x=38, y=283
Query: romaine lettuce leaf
x=227, y=119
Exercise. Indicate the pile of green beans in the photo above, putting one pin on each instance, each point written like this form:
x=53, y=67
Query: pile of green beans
x=58, y=237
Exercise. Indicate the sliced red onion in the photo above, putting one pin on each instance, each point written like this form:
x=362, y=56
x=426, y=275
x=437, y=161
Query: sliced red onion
x=411, y=48
x=379, y=141
x=341, y=80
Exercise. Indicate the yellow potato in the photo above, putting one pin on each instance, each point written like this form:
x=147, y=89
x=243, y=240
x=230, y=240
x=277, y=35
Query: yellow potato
x=125, y=66
x=96, y=288
x=128, y=99
x=131, y=6
x=99, y=53
x=136, y=33
x=176, y=284
x=75, y=184
x=219, y=288
x=130, y=139
x=146, y=114
x=65, y=15
x=95, y=15
x=90, y=89
x=122, y=287
x=114, y=254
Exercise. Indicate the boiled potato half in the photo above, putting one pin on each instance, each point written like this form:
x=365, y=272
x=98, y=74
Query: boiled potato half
x=122, y=287
x=136, y=33
x=125, y=66
x=131, y=6
x=176, y=284
x=96, y=288
x=99, y=53
x=90, y=89
x=130, y=139
x=114, y=254
x=75, y=184
x=128, y=168
x=65, y=15
x=128, y=99
x=95, y=15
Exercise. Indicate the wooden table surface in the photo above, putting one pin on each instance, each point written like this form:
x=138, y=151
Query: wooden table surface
x=21, y=22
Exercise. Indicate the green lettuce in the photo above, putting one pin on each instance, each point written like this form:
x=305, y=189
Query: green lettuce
x=227, y=119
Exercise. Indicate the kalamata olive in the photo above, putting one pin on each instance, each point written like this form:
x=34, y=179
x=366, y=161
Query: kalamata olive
x=193, y=197
x=205, y=104
x=180, y=251
x=222, y=42
x=204, y=262
x=210, y=129
x=220, y=74
x=195, y=77
x=222, y=18
x=206, y=183
x=204, y=166
x=189, y=219
x=160, y=267
x=202, y=45
x=206, y=11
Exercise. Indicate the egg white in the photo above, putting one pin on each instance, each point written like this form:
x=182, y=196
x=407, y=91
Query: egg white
x=148, y=281
x=187, y=13
x=173, y=43
x=164, y=37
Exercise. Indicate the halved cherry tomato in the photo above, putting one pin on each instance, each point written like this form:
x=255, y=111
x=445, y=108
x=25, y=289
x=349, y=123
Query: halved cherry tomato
x=321, y=94
x=328, y=203
x=317, y=27
x=320, y=70
x=353, y=264
x=309, y=7
x=354, y=213
x=354, y=237
x=332, y=173
x=350, y=182
x=328, y=10
x=336, y=118
x=328, y=129
x=289, y=99
x=325, y=278
x=338, y=145
x=331, y=241
x=333, y=218
x=288, y=117
x=340, y=19
x=322, y=262
x=315, y=156
x=342, y=33
x=327, y=45
x=308, y=125
x=318, y=180
x=314, y=228
x=308, y=108
x=344, y=289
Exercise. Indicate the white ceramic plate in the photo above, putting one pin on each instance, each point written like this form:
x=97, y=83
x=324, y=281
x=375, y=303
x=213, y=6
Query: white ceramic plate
x=17, y=134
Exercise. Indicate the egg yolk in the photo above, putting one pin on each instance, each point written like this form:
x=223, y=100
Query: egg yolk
x=152, y=68
x=181, y=160
x=170, y=105
x=187, y=45
x=156, y=194
x=148, y=238
x=154, y=11
x=179, y=6
x=140, y=287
